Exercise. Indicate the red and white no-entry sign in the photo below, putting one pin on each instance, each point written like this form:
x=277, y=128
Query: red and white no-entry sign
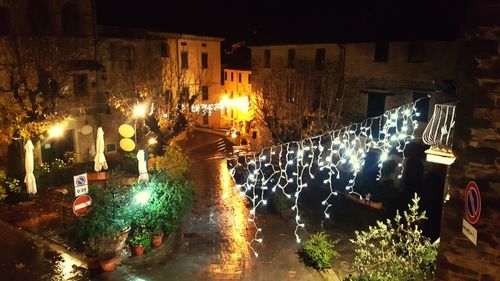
x=472, y=202
x=81, y=206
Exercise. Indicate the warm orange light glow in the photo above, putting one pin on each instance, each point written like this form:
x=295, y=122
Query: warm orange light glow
x=235, y=225
x=240, y=103
x=139, y=110
x=56, y=131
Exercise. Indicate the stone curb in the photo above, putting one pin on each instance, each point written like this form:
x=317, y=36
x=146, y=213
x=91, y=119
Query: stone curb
x=47, y=242
x=329, y=275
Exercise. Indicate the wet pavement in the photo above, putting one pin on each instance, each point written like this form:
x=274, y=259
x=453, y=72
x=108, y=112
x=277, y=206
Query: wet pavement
x=212, y=245
x=25, y=257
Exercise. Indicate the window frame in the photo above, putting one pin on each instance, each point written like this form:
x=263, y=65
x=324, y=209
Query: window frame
x=381, y=52
x=184, y=60
x=291, y=58
x=320, y=59
x=204, y=60
x=267, y=58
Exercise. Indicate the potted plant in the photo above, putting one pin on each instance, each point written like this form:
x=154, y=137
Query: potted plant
x=90, y=252
x=157, y=238
x=141, y=240
x=106, y=253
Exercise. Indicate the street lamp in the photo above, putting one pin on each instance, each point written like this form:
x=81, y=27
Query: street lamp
x=139, y=111
x=56, y=131
x=142, y=197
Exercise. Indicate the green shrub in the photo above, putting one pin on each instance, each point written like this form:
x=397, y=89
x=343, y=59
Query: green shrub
x=3, y=193
x=282, y=205
x=395, y=250
x=174, y=163
x=168, y=202
x=318, y=251
x=105, y=247
x=108, y=217
x=141, y=237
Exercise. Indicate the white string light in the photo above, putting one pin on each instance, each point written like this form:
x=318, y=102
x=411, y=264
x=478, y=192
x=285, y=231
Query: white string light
x=339, y=153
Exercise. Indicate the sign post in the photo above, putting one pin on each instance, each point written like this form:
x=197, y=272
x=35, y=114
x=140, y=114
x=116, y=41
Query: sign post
x=81, y=184
x=472, y=211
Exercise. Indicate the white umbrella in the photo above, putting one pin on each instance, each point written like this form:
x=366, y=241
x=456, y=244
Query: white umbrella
x=100, y=159
x=143, y=171
x=29, y=179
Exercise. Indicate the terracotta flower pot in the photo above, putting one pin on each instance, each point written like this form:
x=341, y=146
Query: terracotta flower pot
x=156, y=241
x=138, y=250
x=93, y=263
x=108, y=265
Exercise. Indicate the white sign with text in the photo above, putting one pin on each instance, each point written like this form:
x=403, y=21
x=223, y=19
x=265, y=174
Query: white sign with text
x=469, y=231
x=81, y=184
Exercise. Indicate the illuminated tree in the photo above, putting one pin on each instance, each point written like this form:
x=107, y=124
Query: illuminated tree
x=160, y=84
x=34, y=78
x=293, y=103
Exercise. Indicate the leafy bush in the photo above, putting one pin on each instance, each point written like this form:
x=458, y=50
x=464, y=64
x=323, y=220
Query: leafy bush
x=318, y=251
x=108, y=217
x=282, y=205
x=174, y=163
x=11, y=190
x=395, y=250
x=141, y=237
x=105, y=247
x=58, y=173
x=167, y=204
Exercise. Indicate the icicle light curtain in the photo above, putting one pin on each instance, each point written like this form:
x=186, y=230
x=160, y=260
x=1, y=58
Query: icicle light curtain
x=288, y=167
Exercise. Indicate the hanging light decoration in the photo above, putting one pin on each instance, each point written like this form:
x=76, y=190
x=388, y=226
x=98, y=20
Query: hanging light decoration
x=288, y=167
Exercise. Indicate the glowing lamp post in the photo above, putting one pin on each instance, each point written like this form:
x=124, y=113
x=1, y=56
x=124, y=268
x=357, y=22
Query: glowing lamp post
x=142, y=197
x=56, y=131
x=139, y=111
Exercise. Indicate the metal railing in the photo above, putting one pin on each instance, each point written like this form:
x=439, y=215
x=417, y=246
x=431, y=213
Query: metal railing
x=439, y=131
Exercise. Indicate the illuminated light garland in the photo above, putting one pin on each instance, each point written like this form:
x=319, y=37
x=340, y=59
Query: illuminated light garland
x=336, y=153
x=240, y=103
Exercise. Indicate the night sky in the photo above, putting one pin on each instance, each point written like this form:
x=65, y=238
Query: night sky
x=285, y=21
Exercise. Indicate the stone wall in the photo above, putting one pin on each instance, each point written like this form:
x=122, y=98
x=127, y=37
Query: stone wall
x=476, y=145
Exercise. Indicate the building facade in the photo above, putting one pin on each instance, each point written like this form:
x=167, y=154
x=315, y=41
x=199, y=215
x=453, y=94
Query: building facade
x=358, y=80
x=101, y=65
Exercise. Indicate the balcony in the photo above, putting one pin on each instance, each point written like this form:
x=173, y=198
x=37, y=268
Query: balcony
x=439, y=135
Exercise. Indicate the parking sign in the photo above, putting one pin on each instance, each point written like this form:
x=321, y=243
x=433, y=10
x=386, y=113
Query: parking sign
x=81, y=184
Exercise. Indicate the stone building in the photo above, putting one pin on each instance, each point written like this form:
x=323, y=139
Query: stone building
x=237, y=88
x=101, y=63
x=365, y=78
x=192, y=72
x=476, y=147
x=59, y=38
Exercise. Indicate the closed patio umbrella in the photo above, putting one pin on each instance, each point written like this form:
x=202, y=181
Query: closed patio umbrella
x=99, y=159
x=143, y=171
x=29, y=179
